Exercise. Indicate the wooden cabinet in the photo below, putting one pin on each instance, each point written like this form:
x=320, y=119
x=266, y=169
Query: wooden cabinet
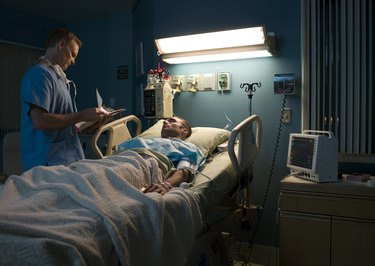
x=326, y=224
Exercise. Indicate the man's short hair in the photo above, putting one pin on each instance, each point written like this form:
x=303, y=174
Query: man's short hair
x=186, y=125
x=62, y=34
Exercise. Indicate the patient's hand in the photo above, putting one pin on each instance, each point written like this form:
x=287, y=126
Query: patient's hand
x=161, y=188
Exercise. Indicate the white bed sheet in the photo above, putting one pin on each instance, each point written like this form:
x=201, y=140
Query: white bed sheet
x=215, y=182
x=89, y=214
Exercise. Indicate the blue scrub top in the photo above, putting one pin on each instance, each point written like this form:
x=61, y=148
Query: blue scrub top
x=43, y=87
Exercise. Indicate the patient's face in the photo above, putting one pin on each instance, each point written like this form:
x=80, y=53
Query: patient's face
x=173, y=127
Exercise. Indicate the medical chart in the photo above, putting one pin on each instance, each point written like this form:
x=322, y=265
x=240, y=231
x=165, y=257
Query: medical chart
x=110, y=111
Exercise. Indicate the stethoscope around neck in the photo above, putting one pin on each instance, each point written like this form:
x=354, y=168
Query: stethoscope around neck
x=61, y=74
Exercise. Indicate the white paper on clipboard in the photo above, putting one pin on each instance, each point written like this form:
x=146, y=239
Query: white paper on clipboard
x=99, y=98
x=83, y=125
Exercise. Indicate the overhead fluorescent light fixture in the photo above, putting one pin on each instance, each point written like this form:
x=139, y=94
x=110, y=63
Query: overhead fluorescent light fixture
x=215, y=46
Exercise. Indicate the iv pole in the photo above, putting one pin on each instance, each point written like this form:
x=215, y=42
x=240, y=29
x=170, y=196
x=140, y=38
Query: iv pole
x=250, y=88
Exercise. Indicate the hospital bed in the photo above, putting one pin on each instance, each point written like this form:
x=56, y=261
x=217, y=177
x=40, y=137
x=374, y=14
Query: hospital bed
x=88, y=213
x=224, y=171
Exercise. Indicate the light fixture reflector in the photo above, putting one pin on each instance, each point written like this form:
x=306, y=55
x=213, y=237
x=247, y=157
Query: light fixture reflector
x=214, y=46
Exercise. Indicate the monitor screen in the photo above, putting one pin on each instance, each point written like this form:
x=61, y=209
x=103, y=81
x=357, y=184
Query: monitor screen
x=313, y=156
x=302, y=152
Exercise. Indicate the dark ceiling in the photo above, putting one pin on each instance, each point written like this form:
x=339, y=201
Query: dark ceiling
x=70, y=11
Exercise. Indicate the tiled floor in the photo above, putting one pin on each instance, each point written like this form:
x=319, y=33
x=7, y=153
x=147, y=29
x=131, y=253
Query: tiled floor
x=238, y=254
x=242, y=260
x=247, y=264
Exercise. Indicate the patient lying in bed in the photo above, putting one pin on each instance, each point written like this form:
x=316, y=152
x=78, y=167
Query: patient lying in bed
x=92, y=212
x=186, y=157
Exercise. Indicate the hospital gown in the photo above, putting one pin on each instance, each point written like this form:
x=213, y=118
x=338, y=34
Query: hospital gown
x=175, y=149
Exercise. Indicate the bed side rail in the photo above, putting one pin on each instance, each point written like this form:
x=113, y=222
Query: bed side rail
x=249, y=145
x=117, y=132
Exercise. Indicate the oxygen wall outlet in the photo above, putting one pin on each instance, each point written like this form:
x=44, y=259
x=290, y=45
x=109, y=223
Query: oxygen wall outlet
x=177, y=83
x=224, y=81
x=192, y=83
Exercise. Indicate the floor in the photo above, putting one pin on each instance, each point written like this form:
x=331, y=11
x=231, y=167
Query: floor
x=247, y=264
x=234, y=230
x=240, y=254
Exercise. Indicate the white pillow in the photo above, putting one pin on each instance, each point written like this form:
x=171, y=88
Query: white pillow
x=152, y=132
x=206, y=138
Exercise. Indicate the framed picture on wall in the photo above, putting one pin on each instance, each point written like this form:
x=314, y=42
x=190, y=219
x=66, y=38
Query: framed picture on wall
x=139, y=70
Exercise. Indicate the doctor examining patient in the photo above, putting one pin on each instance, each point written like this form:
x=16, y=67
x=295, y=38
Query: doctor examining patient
x=49, y=115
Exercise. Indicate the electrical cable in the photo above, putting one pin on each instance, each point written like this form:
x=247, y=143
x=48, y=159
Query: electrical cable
x=274, y=233
x=230, y=122
x=250, y=244
x=195, y=173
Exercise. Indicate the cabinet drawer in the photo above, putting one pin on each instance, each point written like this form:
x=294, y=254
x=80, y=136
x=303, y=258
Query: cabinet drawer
x=353, y=242
x=328, y=204
x=304, y=239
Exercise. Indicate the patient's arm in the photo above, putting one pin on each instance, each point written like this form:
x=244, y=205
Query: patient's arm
x=174, y=180
x=179, y=176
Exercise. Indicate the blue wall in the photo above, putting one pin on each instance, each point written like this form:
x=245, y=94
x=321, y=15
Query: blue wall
x=110, y=42
x=107, y=44
x=24, y=28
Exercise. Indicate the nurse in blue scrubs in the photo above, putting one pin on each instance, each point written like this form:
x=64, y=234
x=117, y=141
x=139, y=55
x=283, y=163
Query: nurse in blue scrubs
x=49, y=115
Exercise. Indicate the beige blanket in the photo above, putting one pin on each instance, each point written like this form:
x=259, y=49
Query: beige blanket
x=92, y=213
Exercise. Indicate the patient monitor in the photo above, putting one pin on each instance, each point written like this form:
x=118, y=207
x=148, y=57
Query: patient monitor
x=158, y=100
x=313, y=155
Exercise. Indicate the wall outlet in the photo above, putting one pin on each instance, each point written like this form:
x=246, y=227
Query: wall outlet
x=287, y=116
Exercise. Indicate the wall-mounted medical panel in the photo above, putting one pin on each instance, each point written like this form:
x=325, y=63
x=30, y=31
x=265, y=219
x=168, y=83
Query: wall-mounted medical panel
x=224, y=81
x=207, y=82
x=192, y=83
x=178, y=83
x=201, y=82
